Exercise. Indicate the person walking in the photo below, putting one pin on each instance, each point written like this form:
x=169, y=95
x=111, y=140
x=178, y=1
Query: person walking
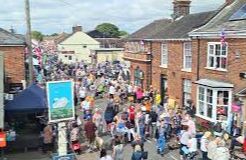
x=221, y=152
x=109, y=115
x=104, y=155
x=137, y=154
x=204, y=145
x=90, y=132
x=118, y=150
x=48, y=139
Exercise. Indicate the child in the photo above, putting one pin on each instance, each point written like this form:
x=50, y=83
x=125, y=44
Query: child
x=161, y=142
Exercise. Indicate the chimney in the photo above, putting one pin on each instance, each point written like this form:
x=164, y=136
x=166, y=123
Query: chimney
x=181, y=8
x=77, y=29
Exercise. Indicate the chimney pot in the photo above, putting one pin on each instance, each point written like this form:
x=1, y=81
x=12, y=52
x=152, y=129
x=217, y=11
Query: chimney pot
x=77, y=29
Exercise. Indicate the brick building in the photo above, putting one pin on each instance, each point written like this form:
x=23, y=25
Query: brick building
x=13, y=49
x=220, y=62
x=197, y=58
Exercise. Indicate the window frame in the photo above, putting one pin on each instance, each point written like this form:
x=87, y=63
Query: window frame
x=214, y=102
x=214, y=56
x=187, y=52
x=164, y=64
x=185, y=92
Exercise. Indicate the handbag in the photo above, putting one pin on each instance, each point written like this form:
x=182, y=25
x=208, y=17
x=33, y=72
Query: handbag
x=145, y=155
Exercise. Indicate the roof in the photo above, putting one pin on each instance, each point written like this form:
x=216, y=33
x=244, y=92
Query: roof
x=108, y=49
x=222, y=20
x=214, y=84
x=180, y=28
x=8, y=38
x=57, y=39
x=150, y=30
x=79, y=38
x=111, y=42
x=30, y=99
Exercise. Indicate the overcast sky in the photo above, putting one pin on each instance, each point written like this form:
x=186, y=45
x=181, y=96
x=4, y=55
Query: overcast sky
x=50, y=16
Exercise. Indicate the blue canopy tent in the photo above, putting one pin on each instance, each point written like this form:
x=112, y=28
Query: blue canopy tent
x=32, y=99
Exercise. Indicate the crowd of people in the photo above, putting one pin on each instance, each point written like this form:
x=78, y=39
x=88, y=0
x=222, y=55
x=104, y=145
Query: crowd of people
x=131, y=116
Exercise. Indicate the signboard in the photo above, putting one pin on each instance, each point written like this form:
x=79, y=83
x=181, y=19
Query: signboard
x=64, y=157
x=60, y=97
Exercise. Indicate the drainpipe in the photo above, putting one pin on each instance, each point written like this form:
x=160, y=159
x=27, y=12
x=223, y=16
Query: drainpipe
x=150, y=68
x=198, y=58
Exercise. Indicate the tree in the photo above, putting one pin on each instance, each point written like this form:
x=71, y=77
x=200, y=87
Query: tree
x=37, y=35
x=123, y=34
x=54, y=34
x=108, y=29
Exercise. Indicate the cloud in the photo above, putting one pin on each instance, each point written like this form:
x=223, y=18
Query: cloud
x=49, y=16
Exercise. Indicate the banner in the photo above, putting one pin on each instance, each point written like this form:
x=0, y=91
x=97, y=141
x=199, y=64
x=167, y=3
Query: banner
x=60, y=97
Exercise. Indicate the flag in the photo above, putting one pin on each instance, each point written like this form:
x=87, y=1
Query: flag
x=223, y=38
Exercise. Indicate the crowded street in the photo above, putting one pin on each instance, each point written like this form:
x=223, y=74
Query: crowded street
x=123, y=80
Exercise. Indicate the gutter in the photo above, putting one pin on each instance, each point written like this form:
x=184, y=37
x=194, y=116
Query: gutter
x=198, y=58
x=172, y=39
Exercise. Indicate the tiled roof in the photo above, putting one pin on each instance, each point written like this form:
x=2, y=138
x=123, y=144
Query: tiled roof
x=150, y=30
x=7, y=38
x=180, y=28
x=222, y=20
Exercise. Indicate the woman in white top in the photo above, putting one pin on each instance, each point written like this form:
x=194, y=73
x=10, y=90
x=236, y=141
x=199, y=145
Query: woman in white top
x=104, y=156
x=204, y=145
x=184, y=139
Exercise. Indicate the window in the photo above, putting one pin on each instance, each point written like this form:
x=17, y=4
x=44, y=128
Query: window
x=70, y=58
x=164, y=55
x=187, y=63
x=84, y=46
x=217, y=56
x=138, y=77
x=240, y=14
x=213, y=103
x=186, y=92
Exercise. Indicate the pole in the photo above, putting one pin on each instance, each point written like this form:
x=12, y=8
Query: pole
x=28, y=40
x=62, y=139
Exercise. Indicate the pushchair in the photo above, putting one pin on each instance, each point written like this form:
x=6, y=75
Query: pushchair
x=161, y=145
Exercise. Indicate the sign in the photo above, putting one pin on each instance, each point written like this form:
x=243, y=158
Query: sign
x=2, y=139
x=64, y=157
x=60, y=97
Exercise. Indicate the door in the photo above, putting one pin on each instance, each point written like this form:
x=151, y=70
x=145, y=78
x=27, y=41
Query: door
x=163, y=88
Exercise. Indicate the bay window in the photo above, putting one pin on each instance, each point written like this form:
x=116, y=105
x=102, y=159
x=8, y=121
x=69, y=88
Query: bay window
x=217, y=55
x=213, y=103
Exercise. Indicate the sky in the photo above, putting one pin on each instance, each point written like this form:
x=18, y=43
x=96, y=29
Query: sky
x=56, y=16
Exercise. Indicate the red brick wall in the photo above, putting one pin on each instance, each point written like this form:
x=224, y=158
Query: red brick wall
x=14, y=66
x=174, y=72
x=234, y=65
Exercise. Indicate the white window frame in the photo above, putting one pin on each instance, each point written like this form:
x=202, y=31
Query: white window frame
x=214, y=102
x=187, y=52
x=164, y=55
x=187, y=88
x=214, y=56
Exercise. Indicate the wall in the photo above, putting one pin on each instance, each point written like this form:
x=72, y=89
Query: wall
x=1, y=91
x=14, y=63
x=102, y=56
x=81, y=44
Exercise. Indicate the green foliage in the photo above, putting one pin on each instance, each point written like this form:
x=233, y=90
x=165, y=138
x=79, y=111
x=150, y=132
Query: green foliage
x=123, y=34
x=37, y=35
x=108, y=29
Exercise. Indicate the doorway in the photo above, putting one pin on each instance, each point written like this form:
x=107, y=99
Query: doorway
x=163, y=88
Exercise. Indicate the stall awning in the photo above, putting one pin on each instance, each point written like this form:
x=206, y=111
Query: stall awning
x=214, y=84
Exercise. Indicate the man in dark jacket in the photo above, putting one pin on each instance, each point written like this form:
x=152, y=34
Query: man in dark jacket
x=153, y=121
